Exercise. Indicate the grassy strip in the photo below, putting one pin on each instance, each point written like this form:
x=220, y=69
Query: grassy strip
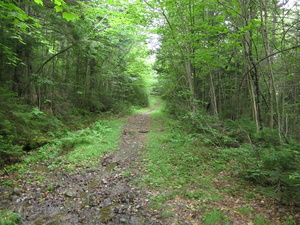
x=82, y=147
x=104, y=136
x=183, y=171
x=179, y=167
x=176, y=160
x=153, y=100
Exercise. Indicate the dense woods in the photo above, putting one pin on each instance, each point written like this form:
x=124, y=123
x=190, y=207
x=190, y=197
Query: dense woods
x=228, y=69
x=236, y=61
x=232, y=59
x=65, y=60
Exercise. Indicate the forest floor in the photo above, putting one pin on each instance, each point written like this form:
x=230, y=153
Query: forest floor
x=109, y=193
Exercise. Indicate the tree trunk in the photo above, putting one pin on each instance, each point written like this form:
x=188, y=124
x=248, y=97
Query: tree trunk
x=213, y=96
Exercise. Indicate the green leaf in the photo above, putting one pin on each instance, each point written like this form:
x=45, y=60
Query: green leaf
x=70, y=16
x=58, y=8
x=40, y=2
x=59, y=2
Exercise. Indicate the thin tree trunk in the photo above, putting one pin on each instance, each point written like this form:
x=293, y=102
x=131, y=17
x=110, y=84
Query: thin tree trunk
x=269, y=51
x=213, y=96
x=253, y=102
x=248, y=15
x=190, y=79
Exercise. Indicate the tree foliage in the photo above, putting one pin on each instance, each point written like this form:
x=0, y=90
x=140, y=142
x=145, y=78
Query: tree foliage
x=66, y=58
x=226, y=58
x=235, y=60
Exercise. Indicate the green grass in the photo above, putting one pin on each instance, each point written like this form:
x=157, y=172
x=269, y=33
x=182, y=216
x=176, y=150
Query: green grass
x=167, y=214
x=99, y=139
x=289, y=221
x=214, y=217
x=173, y=159
x=9, y=218
x=83, y=147
x=260, y=220
x=177, y=162
x=127, y=174
x=245, y=210
x=153, y=101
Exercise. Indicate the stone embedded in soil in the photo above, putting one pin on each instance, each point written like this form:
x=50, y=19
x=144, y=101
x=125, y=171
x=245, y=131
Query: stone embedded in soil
x=17, y=191
x=70, y=193
x=111, y=167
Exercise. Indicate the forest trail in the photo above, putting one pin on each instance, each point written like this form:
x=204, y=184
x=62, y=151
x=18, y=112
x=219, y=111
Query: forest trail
x=96, y=196
x=109, y=193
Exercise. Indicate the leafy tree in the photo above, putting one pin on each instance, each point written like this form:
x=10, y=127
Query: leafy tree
x=234, y=60
x=67, y=58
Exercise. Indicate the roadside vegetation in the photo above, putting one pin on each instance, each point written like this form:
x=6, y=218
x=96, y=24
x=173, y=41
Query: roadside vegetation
x=74, y=149
x=201, y=172
x=9, y=218
x=204, y=169
x=74, y=152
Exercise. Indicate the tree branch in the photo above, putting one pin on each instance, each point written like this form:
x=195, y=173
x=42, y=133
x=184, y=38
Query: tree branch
x=53, y=56
x=268, y=56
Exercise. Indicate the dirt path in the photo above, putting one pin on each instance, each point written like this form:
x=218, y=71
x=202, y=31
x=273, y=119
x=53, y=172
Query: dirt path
x=107, y=194
x=91, y=196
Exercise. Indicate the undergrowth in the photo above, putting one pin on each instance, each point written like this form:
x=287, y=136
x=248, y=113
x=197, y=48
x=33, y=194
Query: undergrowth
x=185, y=158
x=257, y=156
x=25, y=128
x=9, y=218
x=262, y=158
x=82, y=147
x=215, y=216
x=20, y=125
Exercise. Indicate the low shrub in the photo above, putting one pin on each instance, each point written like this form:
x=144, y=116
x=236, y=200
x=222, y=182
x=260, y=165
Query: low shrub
x=278, y=168
x=258, y=156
